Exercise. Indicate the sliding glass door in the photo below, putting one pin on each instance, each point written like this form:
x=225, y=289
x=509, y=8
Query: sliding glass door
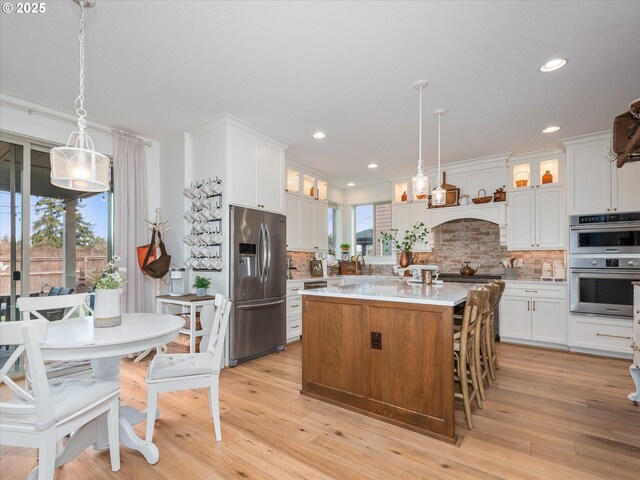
x=50, y=238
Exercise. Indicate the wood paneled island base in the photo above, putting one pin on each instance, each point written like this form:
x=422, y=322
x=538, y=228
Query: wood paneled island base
x=388, y=360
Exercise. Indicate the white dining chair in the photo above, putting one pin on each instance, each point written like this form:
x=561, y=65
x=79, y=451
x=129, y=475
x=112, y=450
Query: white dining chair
x=51, y=409
x=182, y=371
x=39, y=307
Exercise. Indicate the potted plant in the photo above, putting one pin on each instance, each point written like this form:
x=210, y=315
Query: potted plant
x=108, y=283
x=201, y=284
x=345, y=247
x=405, y=244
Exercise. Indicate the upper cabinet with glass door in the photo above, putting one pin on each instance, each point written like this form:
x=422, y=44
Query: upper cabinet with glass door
x=402, y=192
x=306, y=184
x=536, y=170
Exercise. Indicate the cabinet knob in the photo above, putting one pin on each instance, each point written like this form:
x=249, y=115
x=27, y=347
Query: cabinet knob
x=286, y=189
x=607, y=209
x=537, y=244
x=615, y=209
x=532, y=244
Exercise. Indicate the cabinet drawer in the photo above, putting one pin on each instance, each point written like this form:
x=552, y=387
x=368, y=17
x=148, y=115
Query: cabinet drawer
x=294, y=287
x=603, y=336
x=294, y=305
x=294, y=327
x=334, y=283
x=535, y=290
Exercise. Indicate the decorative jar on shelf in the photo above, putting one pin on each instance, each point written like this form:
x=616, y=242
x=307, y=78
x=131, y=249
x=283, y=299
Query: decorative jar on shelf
x=522, y=179
x=547, y=177
x=403, y=198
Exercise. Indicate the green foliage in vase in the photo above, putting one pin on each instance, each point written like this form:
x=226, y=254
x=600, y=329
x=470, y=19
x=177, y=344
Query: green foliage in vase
x=109, y=279
x=201, y=282
x=418, y=234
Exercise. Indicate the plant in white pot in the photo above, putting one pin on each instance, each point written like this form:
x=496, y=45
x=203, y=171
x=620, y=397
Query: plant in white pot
x=201, y=284
x=107, y=310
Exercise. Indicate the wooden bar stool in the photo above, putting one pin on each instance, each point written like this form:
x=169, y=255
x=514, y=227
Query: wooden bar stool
x=466, y=344
x=483, y=353
x=494, y=352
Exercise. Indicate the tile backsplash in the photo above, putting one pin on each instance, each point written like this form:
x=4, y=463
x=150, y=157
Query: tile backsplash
x=467, y=240
x=478, y=242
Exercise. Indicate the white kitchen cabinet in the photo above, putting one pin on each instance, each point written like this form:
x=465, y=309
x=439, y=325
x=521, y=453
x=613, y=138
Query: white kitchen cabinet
x=515, y=317
x=405, y=216
x=307, y=224
x=320, y=226
x=294, y=310
x=536, y=219
x=601, y=335
x=257, y=172
x=535, y=199
x=307, y=236
x=302, y=182
x=534, y=313
x=292, y=211
x=595, y=184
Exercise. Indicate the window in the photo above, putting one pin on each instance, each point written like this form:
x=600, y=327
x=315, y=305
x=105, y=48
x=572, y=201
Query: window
x=332, y=230
x=370, y=220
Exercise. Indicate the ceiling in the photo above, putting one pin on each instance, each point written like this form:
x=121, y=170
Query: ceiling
x=347, y=68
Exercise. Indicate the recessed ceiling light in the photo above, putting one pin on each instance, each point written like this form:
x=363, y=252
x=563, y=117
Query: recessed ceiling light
x=372, y=165
x=551, y=129
x=319, y=135
x=350, y=184
x=553, y=64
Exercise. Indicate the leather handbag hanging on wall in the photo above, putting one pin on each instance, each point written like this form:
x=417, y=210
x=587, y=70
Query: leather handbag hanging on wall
x=159, y=267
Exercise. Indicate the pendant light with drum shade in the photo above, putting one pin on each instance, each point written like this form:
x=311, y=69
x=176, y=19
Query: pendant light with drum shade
x=439, y=194
x=77, y=165
x=420, y=182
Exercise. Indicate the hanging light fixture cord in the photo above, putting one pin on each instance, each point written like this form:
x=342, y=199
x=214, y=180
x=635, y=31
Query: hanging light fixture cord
x=420, y=161
x=439, y=178
x=79, y=102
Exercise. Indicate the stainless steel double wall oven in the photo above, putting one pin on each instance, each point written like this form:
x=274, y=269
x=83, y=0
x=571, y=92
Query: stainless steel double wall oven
x=604, y=261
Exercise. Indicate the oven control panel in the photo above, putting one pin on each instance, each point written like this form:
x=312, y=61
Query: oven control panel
x=604, y=218
x=604, y=263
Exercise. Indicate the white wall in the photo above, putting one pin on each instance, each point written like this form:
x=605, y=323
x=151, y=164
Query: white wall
x=374, y=193
x=53, y=127
x=171, y=184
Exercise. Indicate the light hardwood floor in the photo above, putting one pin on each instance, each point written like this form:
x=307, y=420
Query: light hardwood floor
x=551, y=415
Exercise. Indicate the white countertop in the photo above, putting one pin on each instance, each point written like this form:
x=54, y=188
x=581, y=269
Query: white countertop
x=448, y=294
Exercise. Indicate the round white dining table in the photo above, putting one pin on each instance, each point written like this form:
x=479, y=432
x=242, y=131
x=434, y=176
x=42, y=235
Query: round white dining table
x=78, y=339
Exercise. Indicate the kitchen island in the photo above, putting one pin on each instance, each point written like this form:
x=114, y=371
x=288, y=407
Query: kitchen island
x=384, y=349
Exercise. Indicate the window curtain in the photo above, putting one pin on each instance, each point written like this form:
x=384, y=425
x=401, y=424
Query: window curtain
x=130, y=211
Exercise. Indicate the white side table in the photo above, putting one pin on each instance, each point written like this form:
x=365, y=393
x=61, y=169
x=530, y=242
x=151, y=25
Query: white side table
x=189, y=303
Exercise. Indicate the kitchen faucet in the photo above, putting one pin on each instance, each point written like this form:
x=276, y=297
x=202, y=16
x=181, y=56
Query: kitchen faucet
x=358, y=264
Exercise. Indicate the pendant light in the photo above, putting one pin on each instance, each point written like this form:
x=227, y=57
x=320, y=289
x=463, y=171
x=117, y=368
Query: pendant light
x=77, y=165
x=420, y=182
x=439, y=194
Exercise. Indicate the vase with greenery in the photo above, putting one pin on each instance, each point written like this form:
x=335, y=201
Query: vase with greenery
x=201, y=284
x=404, y=244
x=108, y=283
x=345, y=247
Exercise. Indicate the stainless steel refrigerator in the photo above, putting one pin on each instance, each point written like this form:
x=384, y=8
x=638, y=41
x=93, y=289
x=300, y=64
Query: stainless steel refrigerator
x=258, y=283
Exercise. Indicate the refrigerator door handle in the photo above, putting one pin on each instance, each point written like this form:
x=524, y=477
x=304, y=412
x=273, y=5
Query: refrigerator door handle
x=261, y=253
x=250, y=307
x=268, y=268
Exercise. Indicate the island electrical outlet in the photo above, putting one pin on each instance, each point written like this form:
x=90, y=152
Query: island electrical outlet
x=376, y=340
